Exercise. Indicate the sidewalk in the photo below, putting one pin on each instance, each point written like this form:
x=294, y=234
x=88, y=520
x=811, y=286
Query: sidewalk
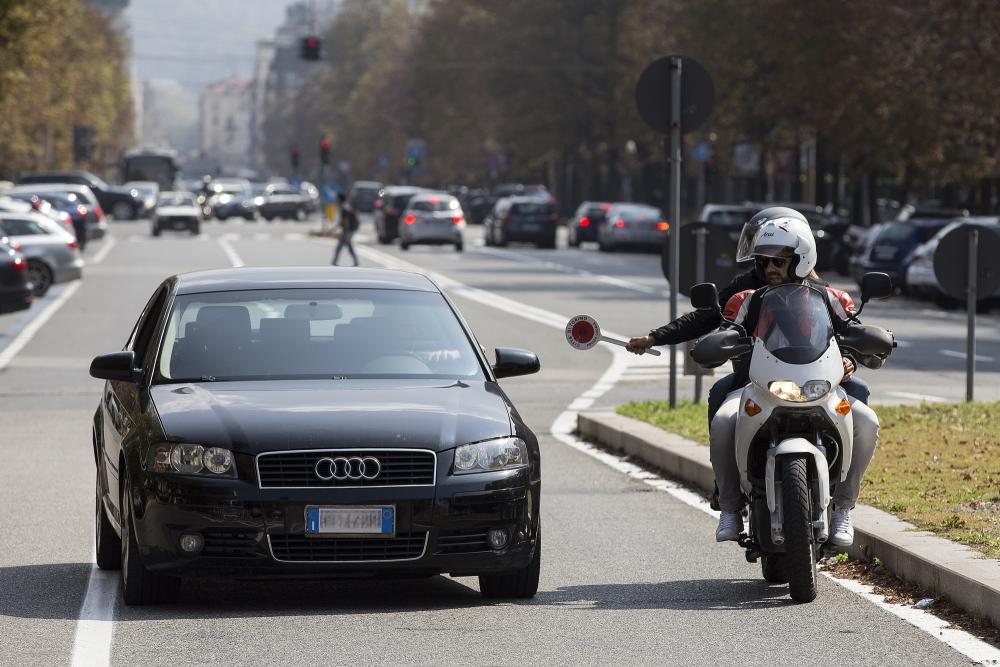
x=949, y=570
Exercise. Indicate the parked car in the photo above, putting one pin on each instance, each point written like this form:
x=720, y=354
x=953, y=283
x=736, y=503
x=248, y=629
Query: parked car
x=920, y=277
x=15, y=288
x=587, y=221
x=728, y=215
x=148, y=192
x=283, y=201
x=51, y=252
x=916, y=212
x=889, y=248
x=363, y=195
x=353, y=405
x=121, y=203
x=77, y=200
x=434, y=218
x=177, y=211
x=232, y=198
x=388, y=207
x=633, y=225
x=526, y=219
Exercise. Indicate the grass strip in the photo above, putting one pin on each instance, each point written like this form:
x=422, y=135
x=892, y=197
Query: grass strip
x=936, y=465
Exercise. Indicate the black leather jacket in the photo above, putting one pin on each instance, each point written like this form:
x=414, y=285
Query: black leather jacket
x=700, y=322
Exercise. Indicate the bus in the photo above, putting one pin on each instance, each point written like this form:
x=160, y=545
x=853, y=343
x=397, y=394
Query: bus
x=150, y=164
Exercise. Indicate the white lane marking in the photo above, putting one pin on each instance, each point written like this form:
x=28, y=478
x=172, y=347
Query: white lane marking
x=918, y=397
x=29, y=331
x=961, y=355
x=262, y=236
x=231, y=255
x=565, y=424
x=563, y=268
x=103, y=252
x=95, y=627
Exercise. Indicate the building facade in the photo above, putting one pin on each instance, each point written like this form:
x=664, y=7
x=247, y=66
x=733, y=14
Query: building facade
x=225, y=112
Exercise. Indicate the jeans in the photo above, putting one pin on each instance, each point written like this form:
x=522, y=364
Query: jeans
x=856, y=388
x=345, y=240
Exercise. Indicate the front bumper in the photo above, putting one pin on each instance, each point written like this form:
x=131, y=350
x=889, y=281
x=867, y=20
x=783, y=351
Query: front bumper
x=260, y=533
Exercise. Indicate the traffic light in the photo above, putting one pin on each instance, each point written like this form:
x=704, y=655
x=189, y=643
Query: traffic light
x=310, y=47
x=295, y=157
x=324, y=151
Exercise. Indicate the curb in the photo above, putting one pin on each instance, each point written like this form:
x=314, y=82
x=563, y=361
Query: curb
x=949, y=570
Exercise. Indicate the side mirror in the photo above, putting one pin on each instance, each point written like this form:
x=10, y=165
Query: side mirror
x=719, y=347
x=512, y=361
x=114, y=366
x=875, y=286
x=704, y=296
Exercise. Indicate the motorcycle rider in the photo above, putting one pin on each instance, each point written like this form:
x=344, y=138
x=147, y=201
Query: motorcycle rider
x=785, y=251
x=701, y=322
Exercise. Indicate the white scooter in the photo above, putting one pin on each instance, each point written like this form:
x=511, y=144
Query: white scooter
x=794, y=429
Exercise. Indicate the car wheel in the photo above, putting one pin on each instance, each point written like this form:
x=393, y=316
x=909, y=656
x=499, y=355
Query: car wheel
x=519, y=583
x=195, y=230
x=139, y=585
x=221, y=218
x=269, y=218
x=250, y=218
x=40, y=276
x=604, y=247
x=108, y=543
x=156, y=230
x=122, y=211
x=459, y=247
x=501, y=242
x=403, y=245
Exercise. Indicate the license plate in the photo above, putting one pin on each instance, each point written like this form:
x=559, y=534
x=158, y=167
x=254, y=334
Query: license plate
x=351, y=521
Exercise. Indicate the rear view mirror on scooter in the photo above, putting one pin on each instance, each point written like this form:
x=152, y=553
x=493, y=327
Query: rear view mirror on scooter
x=875, y=286
x=719, y=347
x=705, y=296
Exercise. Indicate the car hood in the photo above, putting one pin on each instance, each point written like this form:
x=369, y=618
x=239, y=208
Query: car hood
x=177, y=210
x=261, y=416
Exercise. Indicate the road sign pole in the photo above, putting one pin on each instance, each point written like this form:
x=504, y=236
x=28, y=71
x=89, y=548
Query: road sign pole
x=970, y=306
x=699, y=277
x=675, y=208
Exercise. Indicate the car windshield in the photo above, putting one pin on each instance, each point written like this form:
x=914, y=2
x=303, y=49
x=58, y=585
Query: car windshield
x=175, y=199
x=794, y=323
x=636, y=214
x=532, y=208
x=147, y=189
x=729, y=218
x=314, y=333
x=435, y=204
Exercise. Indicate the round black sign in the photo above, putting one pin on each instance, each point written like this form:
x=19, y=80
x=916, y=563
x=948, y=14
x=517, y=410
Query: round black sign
x=652, y=94
x=951, y=262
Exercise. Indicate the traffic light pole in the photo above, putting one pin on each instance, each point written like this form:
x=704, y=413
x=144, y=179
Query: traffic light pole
x=675, y=208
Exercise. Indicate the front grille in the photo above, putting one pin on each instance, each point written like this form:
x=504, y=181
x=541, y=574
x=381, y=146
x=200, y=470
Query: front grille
x=231, y=543
x=399, y=467
x=299, y=548
x=462, y=542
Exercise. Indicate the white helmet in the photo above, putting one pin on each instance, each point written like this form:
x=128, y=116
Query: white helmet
x=778, y=229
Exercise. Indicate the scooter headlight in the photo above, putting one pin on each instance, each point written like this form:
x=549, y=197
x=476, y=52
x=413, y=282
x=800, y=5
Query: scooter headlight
x=787, y=390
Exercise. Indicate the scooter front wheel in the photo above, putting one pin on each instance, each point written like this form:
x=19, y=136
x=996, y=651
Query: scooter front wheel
x=799, y=562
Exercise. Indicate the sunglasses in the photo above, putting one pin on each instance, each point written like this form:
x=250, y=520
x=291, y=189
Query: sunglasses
x=778, y=262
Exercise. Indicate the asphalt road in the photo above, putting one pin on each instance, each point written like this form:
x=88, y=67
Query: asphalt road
x=629, y=575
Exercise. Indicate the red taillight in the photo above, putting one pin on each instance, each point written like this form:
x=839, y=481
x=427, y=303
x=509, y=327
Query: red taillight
x=458, y=219
x=81, y=210
x=410, y=219
x=663, y=226
x=378, y=203
x=99, y=212
x=19, y=265
x=605, y=207
x=619, y=223
x=585, y=222
x=72, y=245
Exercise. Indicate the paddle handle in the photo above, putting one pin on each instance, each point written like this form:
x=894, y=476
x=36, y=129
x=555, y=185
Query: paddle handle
x=623, y=343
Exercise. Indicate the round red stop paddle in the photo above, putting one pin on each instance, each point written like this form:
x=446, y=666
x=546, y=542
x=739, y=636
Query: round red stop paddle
x=583, y=332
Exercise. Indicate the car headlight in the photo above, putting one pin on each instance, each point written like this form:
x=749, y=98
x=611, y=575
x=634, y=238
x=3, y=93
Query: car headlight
x=189, y=459
x=491, y=455
x=787, y=390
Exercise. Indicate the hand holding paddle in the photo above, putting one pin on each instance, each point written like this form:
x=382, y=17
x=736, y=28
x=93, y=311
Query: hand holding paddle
x=583, y=332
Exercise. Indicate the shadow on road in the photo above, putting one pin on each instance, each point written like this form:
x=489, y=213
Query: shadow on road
x=695, y=594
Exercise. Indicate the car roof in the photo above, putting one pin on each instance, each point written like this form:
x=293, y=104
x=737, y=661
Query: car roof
x=300, y=277
x=401, y=189
x=367, y=184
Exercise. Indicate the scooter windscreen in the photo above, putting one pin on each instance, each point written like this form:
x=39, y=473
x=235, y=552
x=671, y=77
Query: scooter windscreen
x=794, y=323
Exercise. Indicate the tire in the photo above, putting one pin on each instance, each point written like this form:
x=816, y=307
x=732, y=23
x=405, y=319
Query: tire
x=195, y=230
x=459, y=247
x=221, y=218
x=156, y=230
x=40, y=276
x=800, y=561
x=572, y=241
x=122, y=211
x=269, y=218
x=520, y=583
x=772, y=567
x=501, y=242
x=108, y=542
x=404, y=246
x=139, y=585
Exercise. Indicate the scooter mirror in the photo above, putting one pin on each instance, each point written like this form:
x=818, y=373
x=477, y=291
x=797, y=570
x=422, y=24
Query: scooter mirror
x=875, y=286
x=704, y=296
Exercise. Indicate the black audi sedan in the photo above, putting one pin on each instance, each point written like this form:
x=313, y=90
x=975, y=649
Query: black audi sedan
x=311, y=422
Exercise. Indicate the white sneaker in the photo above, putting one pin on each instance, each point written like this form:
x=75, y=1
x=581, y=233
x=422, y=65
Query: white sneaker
x=841, y=529
x=730, y=527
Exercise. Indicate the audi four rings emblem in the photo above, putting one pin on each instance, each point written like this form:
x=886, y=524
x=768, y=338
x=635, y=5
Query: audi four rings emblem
x=343, y=468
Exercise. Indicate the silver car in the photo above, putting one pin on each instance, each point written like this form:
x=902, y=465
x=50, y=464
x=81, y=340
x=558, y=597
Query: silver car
x=632, y=225
x=432, y=217
x=81, y=197
x=51, y=251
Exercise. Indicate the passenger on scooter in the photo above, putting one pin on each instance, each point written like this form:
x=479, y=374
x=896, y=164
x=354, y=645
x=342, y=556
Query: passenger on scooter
x=701, y=322
x=784, y=251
